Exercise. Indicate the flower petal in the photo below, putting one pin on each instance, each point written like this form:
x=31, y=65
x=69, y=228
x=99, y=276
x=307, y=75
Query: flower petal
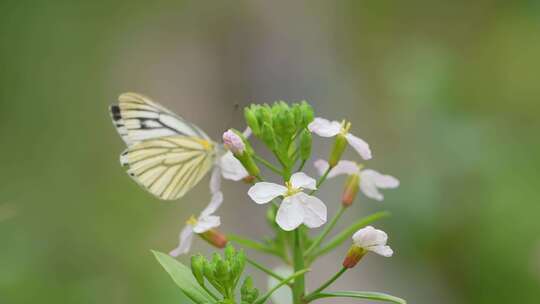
x=369, y=236
x=232, y=168
x=385, y=251
x=380, y=180
x=324, y=127
x=344, y=167
x=321, y=165
x=185, y=240
x=359, y=145
x=206, y=223
x=314, y=210
x=264, y=192
x=284, y=294
x=290, y=214
x=215, y=202
x=247, y=132
x=215, y=180
x=368, y=186
x=302, y=180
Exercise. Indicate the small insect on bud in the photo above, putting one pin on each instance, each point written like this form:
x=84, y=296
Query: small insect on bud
x=354, y=255
x=233, y=142
x=351, y=189
x=215, y=238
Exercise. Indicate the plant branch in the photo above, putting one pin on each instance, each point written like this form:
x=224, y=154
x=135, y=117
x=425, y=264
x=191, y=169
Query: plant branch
x=326, y=231
x=267, y=164
x=298, y=263
x=266, y=270
x=312, y=295
x=252, y=244
x=265, y=297
x=321, y=180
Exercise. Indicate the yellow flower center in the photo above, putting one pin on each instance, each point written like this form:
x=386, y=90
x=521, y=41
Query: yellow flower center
x=291, y=190
x=192, y=221
x=345, y=127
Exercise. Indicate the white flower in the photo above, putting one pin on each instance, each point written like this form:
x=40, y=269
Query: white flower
x=326, y=128
x=233, y=142
x=370, y=181
x=228, y=167
x=297, y=207
x=205, y=222
x=373, y=240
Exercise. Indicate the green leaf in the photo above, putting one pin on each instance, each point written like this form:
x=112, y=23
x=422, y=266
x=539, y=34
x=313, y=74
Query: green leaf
x=183, y=277
x=368, y=295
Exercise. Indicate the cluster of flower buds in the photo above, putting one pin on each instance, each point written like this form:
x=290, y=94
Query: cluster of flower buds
x=223, y=273
x=279, y=125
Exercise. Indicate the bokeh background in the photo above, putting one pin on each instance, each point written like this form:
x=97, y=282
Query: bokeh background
x=446, y=93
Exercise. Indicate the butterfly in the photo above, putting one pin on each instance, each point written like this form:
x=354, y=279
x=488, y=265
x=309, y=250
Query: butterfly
x=166, y=154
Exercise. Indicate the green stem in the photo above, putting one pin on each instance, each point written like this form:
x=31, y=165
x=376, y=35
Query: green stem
x=266, y=270
x=326, y=231
x=210, y=292
x=298, y=262
x=252, y=244
x=267, y=164
x=321, y=180
x=302, y=164
x=267, y=295
x=314, y=294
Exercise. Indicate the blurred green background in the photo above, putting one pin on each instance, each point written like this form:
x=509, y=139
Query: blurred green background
x=446, y=93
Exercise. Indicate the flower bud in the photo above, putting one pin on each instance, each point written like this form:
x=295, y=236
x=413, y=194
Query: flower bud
x=223, y=272
x=230, y=252
x=307, y=113
x=351, y=189
x=354, y=255
x=215, y=238
x=251, y=120
x=268, y=136
x=337, y=150
x=247, y=292
x=250, y=165
x=305, y=144
x=233, y=142
x=249, y=179
x=197, y=268
x=265, y=114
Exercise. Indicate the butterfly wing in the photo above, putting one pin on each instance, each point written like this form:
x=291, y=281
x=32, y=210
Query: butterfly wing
x=169, y=166
x=138, y=118
x=166, y=154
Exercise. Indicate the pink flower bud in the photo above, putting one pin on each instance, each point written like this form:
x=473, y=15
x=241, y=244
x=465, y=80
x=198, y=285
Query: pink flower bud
x=233, y=142
x=215, y=238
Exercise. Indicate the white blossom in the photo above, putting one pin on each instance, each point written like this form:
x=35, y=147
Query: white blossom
x=297, y=207
x=370, y=181
x=202, y=224
x=373, y=240
x=326, y=128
